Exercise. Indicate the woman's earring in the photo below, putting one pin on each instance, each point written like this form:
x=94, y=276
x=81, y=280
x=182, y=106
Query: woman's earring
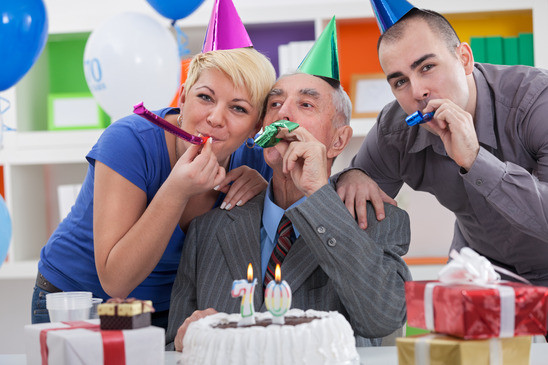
x=250, y=143
x=179, y=120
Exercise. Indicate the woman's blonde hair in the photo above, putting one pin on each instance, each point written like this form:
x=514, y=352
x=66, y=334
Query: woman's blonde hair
x=245, y=67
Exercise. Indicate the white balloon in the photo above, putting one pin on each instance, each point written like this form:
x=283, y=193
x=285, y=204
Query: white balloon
x=131, y=58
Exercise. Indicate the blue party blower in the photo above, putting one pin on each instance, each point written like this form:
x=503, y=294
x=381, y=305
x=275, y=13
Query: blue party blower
x=418, y=118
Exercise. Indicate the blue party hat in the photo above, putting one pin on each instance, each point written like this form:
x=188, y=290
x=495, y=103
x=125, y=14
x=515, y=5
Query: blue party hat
x=388, y=12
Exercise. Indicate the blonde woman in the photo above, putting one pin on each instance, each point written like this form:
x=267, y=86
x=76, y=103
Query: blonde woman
x=125, y=233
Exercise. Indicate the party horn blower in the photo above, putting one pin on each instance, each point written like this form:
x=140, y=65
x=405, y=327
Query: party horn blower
x=140, y=109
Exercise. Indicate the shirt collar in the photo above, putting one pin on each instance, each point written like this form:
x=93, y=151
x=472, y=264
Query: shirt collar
x=272, y=214
x=424, y=139
x=485, y=116
x=483, y=121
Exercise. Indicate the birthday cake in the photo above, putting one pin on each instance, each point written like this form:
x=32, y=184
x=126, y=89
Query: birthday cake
x=310, y=337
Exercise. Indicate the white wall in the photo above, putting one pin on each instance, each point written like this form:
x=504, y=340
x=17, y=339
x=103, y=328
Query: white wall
x=431, y=224
x=15, y=299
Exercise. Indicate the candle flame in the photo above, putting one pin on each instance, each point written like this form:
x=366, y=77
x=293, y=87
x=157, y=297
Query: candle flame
x=249, y=272
x=278, y=274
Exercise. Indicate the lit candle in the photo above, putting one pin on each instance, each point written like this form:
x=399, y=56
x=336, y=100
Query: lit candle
x=245, y=289
x=277, y=297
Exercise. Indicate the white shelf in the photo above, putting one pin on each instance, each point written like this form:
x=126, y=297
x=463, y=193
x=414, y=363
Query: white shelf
x=68, y=16
x=47, y=147
x=19, y=270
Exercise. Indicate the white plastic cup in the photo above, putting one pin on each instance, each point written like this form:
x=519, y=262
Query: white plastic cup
x=94, y=303
x=68, y=306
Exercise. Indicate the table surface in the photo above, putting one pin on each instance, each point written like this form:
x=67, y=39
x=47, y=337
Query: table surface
x=384, y=355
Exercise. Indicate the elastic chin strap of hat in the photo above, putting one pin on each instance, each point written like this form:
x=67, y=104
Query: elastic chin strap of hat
x=182, y=40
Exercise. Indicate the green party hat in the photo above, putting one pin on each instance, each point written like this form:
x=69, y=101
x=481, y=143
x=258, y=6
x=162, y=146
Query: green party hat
x=323, y=59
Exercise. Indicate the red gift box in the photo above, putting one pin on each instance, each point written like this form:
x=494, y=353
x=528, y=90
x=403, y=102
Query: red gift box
x=474, y=312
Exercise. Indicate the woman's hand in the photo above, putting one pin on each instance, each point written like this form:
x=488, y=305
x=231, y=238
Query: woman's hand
x=246, y=183
x=198, y=170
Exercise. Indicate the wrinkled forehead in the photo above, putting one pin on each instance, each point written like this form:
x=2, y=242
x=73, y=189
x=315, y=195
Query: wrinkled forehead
x=300, y=85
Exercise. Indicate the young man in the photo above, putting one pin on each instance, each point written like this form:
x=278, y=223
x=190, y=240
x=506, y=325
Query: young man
x=484, y=155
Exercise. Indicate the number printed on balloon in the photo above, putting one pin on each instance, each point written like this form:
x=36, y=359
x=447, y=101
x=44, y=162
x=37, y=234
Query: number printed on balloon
x=92, y=69
x=131, y=58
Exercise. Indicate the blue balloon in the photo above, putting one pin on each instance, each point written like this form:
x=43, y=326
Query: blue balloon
x=5, y=230
x=23, y=34
x=175, y=9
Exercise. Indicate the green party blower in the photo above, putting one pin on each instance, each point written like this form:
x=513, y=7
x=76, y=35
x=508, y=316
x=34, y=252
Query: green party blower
x=268, y=137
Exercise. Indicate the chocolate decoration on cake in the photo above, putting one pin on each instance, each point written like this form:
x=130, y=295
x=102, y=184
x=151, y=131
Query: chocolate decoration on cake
x=289, y=321
x=122, y=314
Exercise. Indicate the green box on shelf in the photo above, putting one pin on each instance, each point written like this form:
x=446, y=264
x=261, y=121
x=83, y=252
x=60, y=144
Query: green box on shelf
x=478, y=48
x=510, y=50
x=68, y=86
x=525, y=47
x=66, y=63
x=69, y=111
x=493, y=50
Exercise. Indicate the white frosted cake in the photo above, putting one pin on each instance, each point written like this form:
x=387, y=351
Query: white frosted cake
x=310, y=337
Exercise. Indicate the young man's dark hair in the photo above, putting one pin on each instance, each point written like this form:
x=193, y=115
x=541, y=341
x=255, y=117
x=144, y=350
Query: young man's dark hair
x=435, y=21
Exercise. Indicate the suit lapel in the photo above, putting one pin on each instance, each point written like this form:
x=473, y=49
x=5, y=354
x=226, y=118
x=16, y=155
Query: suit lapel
x=240, y=242
x=296, y=268
x=299, y=264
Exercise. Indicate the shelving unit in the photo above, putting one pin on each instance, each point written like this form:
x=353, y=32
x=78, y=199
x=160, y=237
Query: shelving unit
x=35, y=160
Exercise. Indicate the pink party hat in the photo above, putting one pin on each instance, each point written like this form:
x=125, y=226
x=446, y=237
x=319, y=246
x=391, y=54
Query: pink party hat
x=388, y=12
x=225, y=29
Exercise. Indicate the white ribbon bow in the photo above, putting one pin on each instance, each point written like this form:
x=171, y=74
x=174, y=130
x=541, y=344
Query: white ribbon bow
x=468, y=267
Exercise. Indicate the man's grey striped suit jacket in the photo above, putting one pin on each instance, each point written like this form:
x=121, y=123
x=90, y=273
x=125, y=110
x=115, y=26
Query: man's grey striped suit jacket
x=333, y=266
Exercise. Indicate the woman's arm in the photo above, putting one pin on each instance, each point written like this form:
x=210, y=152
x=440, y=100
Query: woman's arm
x=130, y=237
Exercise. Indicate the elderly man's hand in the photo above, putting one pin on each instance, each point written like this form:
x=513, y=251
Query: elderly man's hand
x=193, y=318
x=304, y=159
x=355, y=188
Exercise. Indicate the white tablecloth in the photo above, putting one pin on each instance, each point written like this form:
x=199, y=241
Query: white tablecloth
x=369, y=356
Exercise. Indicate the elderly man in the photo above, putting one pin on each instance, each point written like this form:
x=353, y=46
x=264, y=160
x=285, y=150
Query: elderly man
x=332, y=264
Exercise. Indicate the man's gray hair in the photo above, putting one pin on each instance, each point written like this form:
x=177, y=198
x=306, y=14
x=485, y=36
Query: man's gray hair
x=343, y=106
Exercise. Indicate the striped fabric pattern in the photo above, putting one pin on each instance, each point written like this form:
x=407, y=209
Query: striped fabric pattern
x=361, y=276
x=285, y=240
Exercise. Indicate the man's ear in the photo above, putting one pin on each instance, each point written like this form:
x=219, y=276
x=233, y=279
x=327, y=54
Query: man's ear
x=340, y=141
x=466, y=57
x=182, y=96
